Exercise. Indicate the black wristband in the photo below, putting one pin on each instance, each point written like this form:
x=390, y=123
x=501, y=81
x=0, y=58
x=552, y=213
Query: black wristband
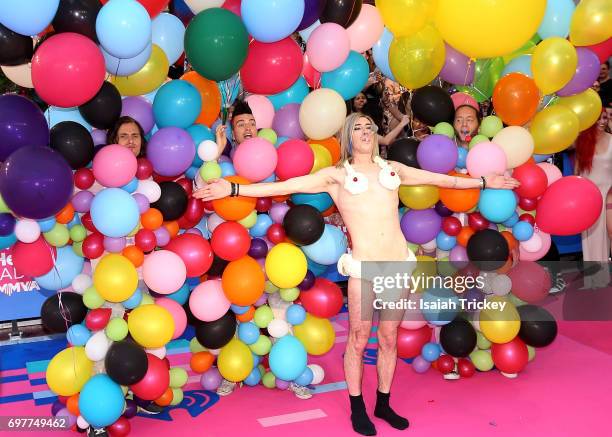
x=484, y=182
x=237, y=189
x=233, y=192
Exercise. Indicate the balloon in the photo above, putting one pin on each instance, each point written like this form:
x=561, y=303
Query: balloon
x=168, y=33
x=530, y=281
x=263, y=110
x=155, y=381
x=487, y=73
x=349, y=78
x=171, y=151
x=177, y=104
x=458, y=338
x=323, y=299
x=286, y=121
x=126, y=66
x=22, y=123
x=421, y=226
x=516, y=99
x=457, y=67
x=342, y=12
x=235, y=361
x=15, y=49
x=432, y=105
x=603, y=50
x=312, y=12
x=322, y=114
x=140, y=110
x=207, y=301
x=288, y=358
x=216, y=334
x=366, y=30
x=123, y=28
x=510, y=357
x=538, y=326
x=411, y=341
x=152, y=326
x=554, y=129
x=507, y=25
x=62, y=310
x=78, y=16
x=20, y=74
x=304, y=224
x=395, y=13
x=520, y=64
x=126, y=363
x=269, y=22
x=533, y=180
x=255, y=159
x=437, y=153
x=404, y=150
x=586, y=73
x=485, y=159
x=230, y=241
x=243, y=281
x=27, y=18
x=497, y=325
x=104, y=109
x=588, y=25
x=68, y=371
x=74, y=142
x=517, y=144
x=147, y=79
x=552, y=172
x=586, y=105
x=115, y=278
x=316, y=334
x=197, y=6
x=554, y=64
x=195, y=251
x=556, y=21
x=488, y=249
x=328, y=47
x=294, y=94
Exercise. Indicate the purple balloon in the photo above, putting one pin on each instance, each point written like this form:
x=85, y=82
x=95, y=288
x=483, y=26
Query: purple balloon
x=442, y=210
x=114, y=245
x=98, y=136
x=421, y=225
x=142, y=202
x=307, y=282
x=7, y=224
x=286, y=122
x=130, y=409
x=210, y=379
x=171, y=151
x=458, y=257
x=586, y=74
x=36, y=182
x=195, y=231
x=420, y=364
x=162, y=235
x=72, y=419
x=437, y=153
x=493, y=226
x=281, y=384
x=263, y=299
x=141, y=110
x=457, y=68
x=81, y=201
x=312, y=11
x=278, y=211
x=258, y=249
x=57, y=406
x=223, y=158
x=22, y=123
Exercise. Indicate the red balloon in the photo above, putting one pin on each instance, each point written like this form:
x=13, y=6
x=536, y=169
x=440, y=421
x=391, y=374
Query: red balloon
x=93, y=245
x=466, y=368
x=323, y=299
x=263, y=204
x=530, y=281
x=276, y=233
x=121, y=428
x=511, y=357
x=411, y=341
x=569, y=206
x=144, y=169
x=477, y=221
x=528, y=204
x=186, y=184
x=33, y=259
x=88, y=222
x=98, y=319
x=295, y=158
x=159, y=178
x=526, y=217
x=195, y=210
x=312, y=76
x=271, y=67
x=195, y=251
x=153, y=7
x=445, y=364
x=233, y=6
x=145, y=240
x=533, y=180
x=83, y=178
x=68, y=70
x=155, y=381
x=451, y=226
x=230, y=241
x=603, y=50
x=184, y=223
x=208, y=206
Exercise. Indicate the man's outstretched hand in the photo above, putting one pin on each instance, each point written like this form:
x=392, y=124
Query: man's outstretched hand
x=501, y=181
x=214, y=189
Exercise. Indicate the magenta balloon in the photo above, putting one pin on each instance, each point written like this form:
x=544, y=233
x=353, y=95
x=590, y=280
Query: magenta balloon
x=437, y=153
x=141, y=110
x=162, y=236
x=114, y=245
x=421, y=226
x=278, y=211
x=586, y=74
x=171, y=151
x=457, y=68
x=286, y=122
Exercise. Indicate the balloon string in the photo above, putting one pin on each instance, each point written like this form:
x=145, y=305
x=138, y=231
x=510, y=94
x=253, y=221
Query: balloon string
x=467, y=72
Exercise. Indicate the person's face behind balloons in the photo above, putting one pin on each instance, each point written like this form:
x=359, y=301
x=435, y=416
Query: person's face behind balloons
x=419, y=129
x=363, y=136
x=359, y=101
x=466, y=123
x=244, y=127
x=129, y=136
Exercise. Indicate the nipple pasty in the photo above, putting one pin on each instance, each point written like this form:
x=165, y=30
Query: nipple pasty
x=356, y=183
x=387, y=176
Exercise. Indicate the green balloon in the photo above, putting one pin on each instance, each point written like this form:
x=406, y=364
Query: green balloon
x=124, y=389
x=515, y=300
x=261, y=368
x=195, y=346
x=216, y=43
x=477, y=139
x=445, y=268
x=92, y=299
x=250, y=220
x=482, y=360
x=289, y=294
x=178, y=377
x=210, y=170
x=146, y=300
x=269, y=380
x=177, y=396
x=481, y=341
x=262, y=346
x=490, y=126
x=268, y=134
x=78, y=233
x=78, y=248
x=3, y=207
x=58, y=236
x=117, y=329
x=531, y=352
x=444, y=128
x=263, y=315
x=486, y=74
x=270, y=288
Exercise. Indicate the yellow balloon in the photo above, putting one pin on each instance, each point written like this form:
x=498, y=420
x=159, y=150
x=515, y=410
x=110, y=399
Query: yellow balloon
x=68, y=371
x=395, y=13
x=488, y=28
x=554, y=129
x=115, y=278
x=500, y=326
x=147, y=79
x=316, y=334
x=426, y=268
x=286, y=265
x=419, y=196
x=322, y=157
x=586, y=105
x=235, y=361
x=591, y=22
x=322, y=114
x=553, y=63
x=152, y=326
x=417, y=59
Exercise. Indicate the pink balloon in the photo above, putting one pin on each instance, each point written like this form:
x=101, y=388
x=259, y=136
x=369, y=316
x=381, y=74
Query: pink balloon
x=177, y=312
x=262, y=109
x=526, y=255
x=114, y=166
x=366, y=29
x=208, y=302
x=328, y=47
x=461, y=99
x=533, y=244
x=413, y=319
x=312, y=76
x=552, y=172
x=164, y=272
x=485, y=159
x=295, y=158
x=255, y=159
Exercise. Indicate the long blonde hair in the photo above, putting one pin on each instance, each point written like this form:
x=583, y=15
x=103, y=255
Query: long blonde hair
x=346, y=138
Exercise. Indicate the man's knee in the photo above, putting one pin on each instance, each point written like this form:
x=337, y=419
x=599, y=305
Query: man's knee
x=358, y=339
x=387, y=340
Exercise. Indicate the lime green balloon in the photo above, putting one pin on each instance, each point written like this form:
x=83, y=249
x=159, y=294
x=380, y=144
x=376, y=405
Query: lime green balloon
x=250, y=220
x=269, y=380
x=515, y=300
x=3, y=207
x=78, y=233
x=444, y=128
x=445, y=268
x=268, y=134
x=58, y=236
x=270, y=288
x=262, y=346
x=135, y=230
x=482, y=360
x=78, y=248
x=413, y=247
x=490, y=126
x=178, y=377
x=124, y=389
x=210, y=170
x=477, y=139
x=146, y=300
x=261, y=368
x=486, y=74
x=117, y=329
x=177, y=396
x=195, y=346
x=289, y=294
x=531, y=352
x=92, y=299
x=481, y=341
x=263, y=315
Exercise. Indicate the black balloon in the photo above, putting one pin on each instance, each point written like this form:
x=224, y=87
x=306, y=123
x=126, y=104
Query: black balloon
x=15, y=49
x=216, y=334
x=488, y=249
x=173, y=201
x=303, y=224
x=62, y=310
x=73, y=142
x=538, y=326
x=217, y=267
x=405, y=151
x=78, y=16
x=342, y=12
x=126, y=362
x=458, y=338
x=432, y=105
x=104, y=109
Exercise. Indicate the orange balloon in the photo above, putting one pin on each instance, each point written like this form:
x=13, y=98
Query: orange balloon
x=512, y=242
x=464, y=235
x=506, y=267
x=235, y=208
x=280, y=199
x=329, y=211
x=459, y=200
x=331, y=144
x=243, y=281
x=173, y=228
x=201, y=361
x=134, y=254
x=516, y=98
x=211, y=97
x=246, y=317
x=165, y=399
x=66, y=215
x=152, y=219
x=72, y=404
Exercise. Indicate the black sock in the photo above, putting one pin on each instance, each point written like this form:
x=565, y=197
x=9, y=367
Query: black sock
x=384, y=411
x=359, y=418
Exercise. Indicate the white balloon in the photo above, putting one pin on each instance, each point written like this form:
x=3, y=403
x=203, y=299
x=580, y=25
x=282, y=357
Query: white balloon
x=278, y=328
x=533, y=244
x=214, y=351
x=197, y=6
x=27, y=230
x=159, y=352
x=317, y=373
x=213, y=221
x=150, y=189
x=82, y=423
x=97, y=346
x=81, y=282
x=207, y=150
x=430, y=246
x=305, y=34
x=501, y=284
x=19, y=74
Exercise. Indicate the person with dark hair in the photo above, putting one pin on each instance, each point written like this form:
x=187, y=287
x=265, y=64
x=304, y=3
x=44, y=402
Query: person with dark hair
x=127, y=132
x=466, y=124
x=605, y=84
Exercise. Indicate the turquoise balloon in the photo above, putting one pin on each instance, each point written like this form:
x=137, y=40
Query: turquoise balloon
x=101, y=401
x=131, y=186
x=177, y=104
x=46, y=224
x=67, y=266
x=261, y=225
x=514, y=218
x=522, y=231
x=288, y=358
x=55, y=115
x=296, y=93
x=348, y=79
x=315, y=268
x=199, y=133
x=497, y=205
x=227, y=169
x=296, y=314
x=27, y=17
x=248, y=332
x=321, y=201
x=520, y=64
x=7, y=241
x=78, y=335
x=380, y=53
x=181, y=295
x=557, y=19
x=114, y=212
x=134, y=300
x=440, y=306
x=254, y=377
x=328, y=249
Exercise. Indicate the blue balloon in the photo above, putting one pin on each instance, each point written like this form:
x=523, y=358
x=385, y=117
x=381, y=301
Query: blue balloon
x=114, y=212
x=78, y=335
x=254, y=377
x=55, y=115
x=271, y=178
x=349, y=78
x=305, y=34
x=248, y=332
x=287, y=358
x=270, y=21
x=445, y=241
x=328, y=249
x=227, y=169
x=280, y=141
x=126, y=66
x=321, y=201
x=557, y=19
x=497, y=205
x=123, y=28
x=101, y=401
x=7, y=241
x=316, y=269
x=540, y=158
x=27, y=17
x=440, y=306
x=261, y=226
x=514, y=218
x=177, y=104
x=522, y=231
x=380, y=53
x=431, y=351
x=67, y=266
x=151, y=96
x=237, y=309
x=75, y=221
x=134, y=300
x=168, y=33
x=520, y=64
x=131, y=186
x=181, y=295
x=46, y=224
x=305, y=378
x=256, y=359
x=296, y=314
x=461, y=157
x=296, y=93
x=192, y=171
